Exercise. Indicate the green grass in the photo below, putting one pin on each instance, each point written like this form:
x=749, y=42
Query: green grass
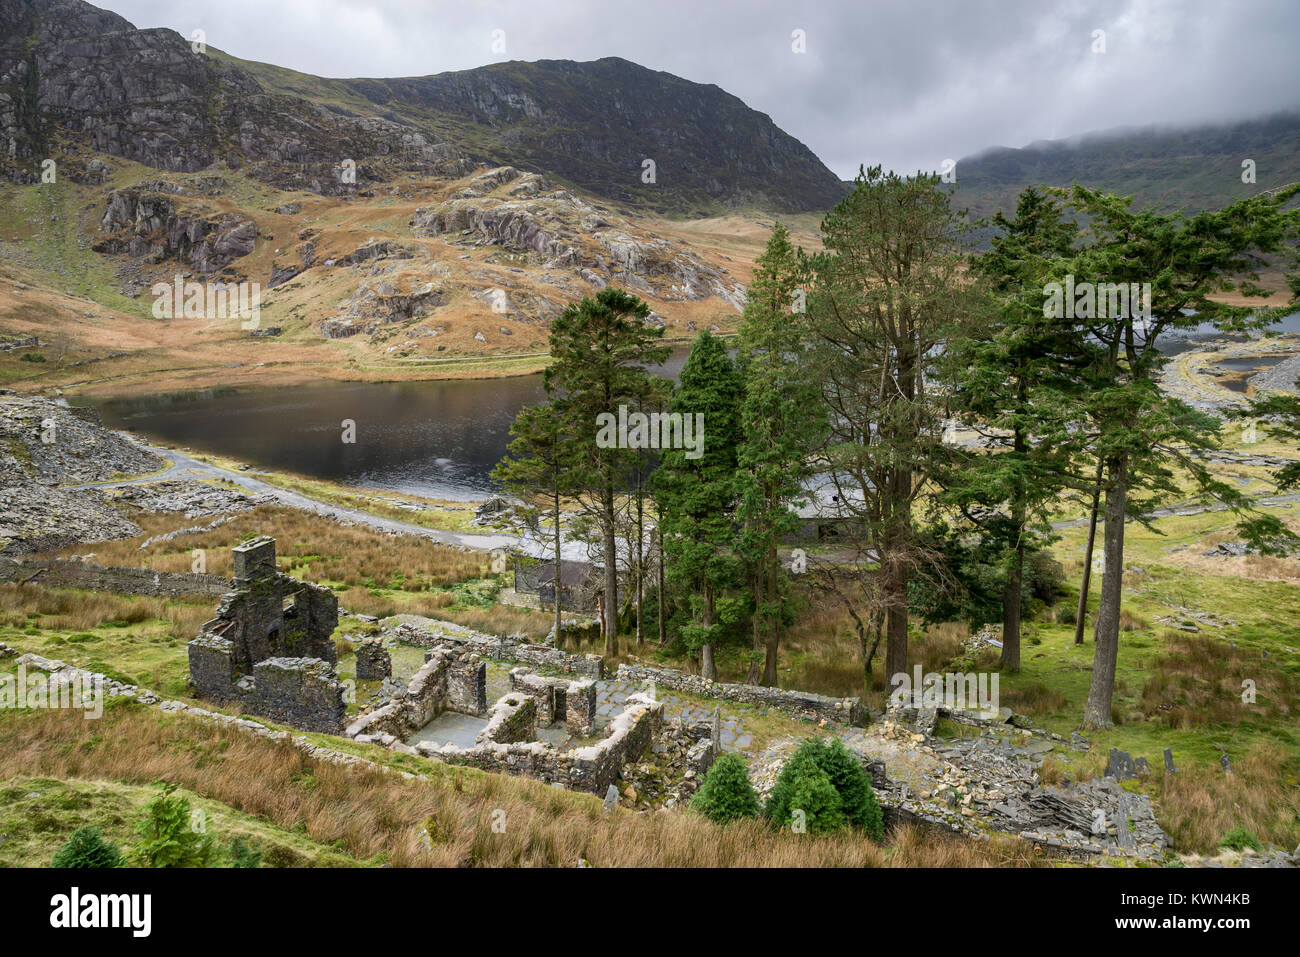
x=144, y=653
x=37, y=815
x=52, y=230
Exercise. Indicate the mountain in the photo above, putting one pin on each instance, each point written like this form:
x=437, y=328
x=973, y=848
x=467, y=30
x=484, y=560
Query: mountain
x=1192, y=169
x=72, y=72
x=482, y=204
x=594, y=124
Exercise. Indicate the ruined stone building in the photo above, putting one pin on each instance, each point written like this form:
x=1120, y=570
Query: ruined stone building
x=270, y=648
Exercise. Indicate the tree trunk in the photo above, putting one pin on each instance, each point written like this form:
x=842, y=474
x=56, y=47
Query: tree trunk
x=611, y=577
x=663, y=614
x=1011, y=597
x=640, y=556
x=774, y=626
x=707, y=668
x=1011, y=610
x=896, y=621
x=756, y=633
x=1087, y=559
x=1106, y=636
x=558, y=579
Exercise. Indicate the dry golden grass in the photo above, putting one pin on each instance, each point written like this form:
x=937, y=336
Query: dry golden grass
x=1050, y=772
x=1198, y=683
x=368, y=812
x=503, y=620
x=1131, y=622
x=823, y=649
x=69, y=610
x=1200, y=804
x=351, y=555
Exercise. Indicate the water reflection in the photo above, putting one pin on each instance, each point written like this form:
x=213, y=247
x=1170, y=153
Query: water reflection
x=439, y=439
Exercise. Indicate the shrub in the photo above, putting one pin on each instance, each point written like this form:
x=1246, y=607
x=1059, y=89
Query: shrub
x=853, y=786
x=812, y=792
x=166, y=836
x=1239, y=838
x=87, y=848
x=242, y=854
x=726, y=794
x=799, y=786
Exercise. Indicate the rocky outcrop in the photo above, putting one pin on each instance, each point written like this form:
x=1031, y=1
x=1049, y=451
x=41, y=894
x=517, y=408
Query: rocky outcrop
x=378, y=302
x=71, y=70
x=521, y=213
x=147, y=225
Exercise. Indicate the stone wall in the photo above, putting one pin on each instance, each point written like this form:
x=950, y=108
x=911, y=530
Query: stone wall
x=271, y=646
x=550, y=693
x=503, y=746
x=374, y=663
x=300, y=692
x=212, y=667
x=467, y=686
x=447, y=681
x=802, y=704
x=591, y=768
x=277, y=616
x=514, y=718
x=580, y=710
x=513, y=648
x=70, y=573
x=597, y=766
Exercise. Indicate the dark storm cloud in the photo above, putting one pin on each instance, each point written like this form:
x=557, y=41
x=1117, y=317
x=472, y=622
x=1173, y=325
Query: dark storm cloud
x=905, y=84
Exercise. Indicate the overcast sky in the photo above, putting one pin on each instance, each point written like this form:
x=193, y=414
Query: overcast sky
x=907, y=84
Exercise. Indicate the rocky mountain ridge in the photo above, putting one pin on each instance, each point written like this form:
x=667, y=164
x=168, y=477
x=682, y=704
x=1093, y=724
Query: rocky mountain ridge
x=73, y=73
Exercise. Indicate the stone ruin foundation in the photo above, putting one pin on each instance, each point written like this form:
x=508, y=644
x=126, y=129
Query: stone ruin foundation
x=453, y=679
x=270, y=649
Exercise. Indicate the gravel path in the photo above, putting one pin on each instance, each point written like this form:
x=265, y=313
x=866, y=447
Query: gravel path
x=183, y=467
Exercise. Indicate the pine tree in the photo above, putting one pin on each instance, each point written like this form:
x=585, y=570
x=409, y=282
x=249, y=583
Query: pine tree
x=1138, y=431
x=600, y=352
x=538, y=463
x=1014, y=381
x=726, y=794
x=87, y=848
x=781, y=422
x=697, y=493
x=887, y=295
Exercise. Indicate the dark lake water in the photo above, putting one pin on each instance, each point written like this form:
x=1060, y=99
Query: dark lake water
x=439, y=439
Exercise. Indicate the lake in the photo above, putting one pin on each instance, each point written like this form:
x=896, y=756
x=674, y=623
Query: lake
x=438, y=439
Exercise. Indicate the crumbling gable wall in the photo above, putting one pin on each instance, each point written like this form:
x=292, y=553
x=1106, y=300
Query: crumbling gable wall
x=270, y=615
x=270, y=648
